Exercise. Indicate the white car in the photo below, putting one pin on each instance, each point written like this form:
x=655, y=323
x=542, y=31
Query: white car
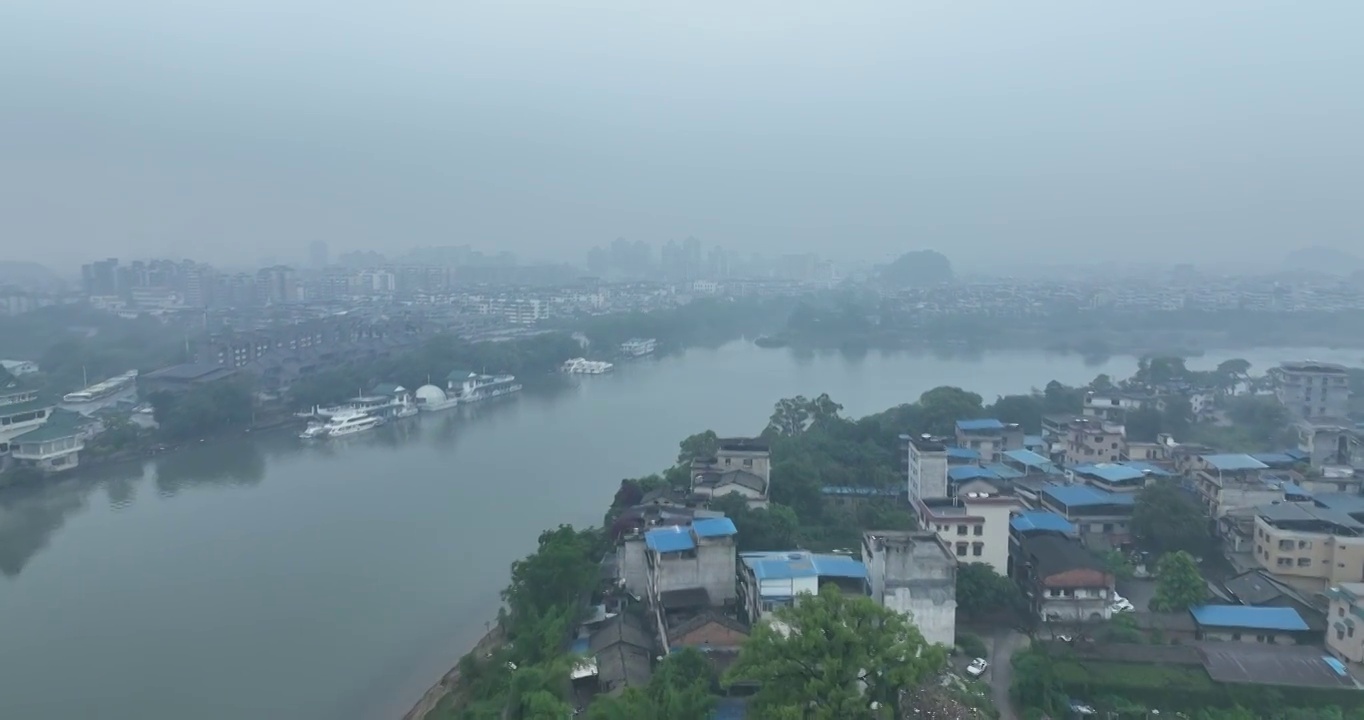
x=1121, y=606
x=977, y=667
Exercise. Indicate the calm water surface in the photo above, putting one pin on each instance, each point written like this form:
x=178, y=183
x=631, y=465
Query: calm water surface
x=260, y=578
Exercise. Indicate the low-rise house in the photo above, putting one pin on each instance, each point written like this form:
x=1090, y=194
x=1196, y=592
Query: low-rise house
x=975, y=527
x=1312, y=545
x=769, y=580
x=1095, y=512
x=709, y=631
x=957, y=456
x=1259, y=588
x=1029, y=463
x=1112, y=477
x=1063, y=580
x=691, y=568
x=1226, y=481
x=1158, y=451
x=629, y=528
x=55, y=446
x=845, y=500
x=21, y=410
x=1029, y=522
x=1333, y=479
x=182, y=378
x=1112, y=406
x=926, y=466
x=1345, y=633
x=989, y=437
x=1329, y=441
x=622, y=652
x=741, y=466
x=915, y=574
x=1243, y=623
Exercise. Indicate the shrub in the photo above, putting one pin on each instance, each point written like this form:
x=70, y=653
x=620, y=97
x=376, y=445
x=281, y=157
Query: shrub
x=970, y=644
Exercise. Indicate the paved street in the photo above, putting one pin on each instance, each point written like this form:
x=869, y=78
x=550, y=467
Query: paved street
x=1006, y=643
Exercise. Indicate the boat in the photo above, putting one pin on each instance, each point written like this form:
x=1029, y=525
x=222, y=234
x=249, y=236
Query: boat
x=314, y=431
x=432, y=399
x=381, y=401
x=101, y=390
x=637, y=347
x=583, y=366
x=473, y=387
x=350, y=424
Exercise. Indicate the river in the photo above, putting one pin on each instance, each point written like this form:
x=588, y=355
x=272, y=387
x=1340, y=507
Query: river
x=256, y=577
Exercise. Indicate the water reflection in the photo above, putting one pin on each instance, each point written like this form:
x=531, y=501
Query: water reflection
x=236, y=460
x=30, y=516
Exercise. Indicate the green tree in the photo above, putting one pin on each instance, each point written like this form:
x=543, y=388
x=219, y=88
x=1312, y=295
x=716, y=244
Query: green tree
x=790, y=417
x=775, y=527
x=943, y=406
x=981, y=591
x=1165, y=519
x=701, y=445
x=1026, y=410
x=681, y=689
x=1231, y=373
x=1102, y=383
x=1058, y=399
x=831, y=656
x=1179, y=585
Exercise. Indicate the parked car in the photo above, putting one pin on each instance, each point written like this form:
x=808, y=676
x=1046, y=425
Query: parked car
x=977, y=667
x=1122, y=606
x=1064, y=638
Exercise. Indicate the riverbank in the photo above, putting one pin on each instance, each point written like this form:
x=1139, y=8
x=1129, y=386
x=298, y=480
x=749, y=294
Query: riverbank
x=446, y=689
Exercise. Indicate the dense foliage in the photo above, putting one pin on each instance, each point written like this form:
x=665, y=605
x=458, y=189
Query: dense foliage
x=1179, y=585
x=916, y=269
x=206, y=409
x=834, y=657
x=982, y=592
x=682, y=688
x=1166, y=519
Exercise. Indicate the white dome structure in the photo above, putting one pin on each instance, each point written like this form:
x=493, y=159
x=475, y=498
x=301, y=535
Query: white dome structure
x=430, y=394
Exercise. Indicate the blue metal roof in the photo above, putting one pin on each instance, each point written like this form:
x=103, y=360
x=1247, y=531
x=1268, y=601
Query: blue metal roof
x=801, y=564
x=1109, y=472
x=1148, y=468
x=980, y=424
x=859, y=491
x=580, y=646
x=1004, y=471
x=714, y=527
x=1292, y=488
x=1233, y=461
x=1276, y=459
x=1041, y=520
x=1081, y=495
x=1246, y=616
x=1030, y=441
x=669, y=539
x=962, y=473
x=958, y=453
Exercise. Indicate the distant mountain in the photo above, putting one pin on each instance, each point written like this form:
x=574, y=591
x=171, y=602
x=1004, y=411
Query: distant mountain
x=1324, y=260
x=916, y=269
x=29, y=276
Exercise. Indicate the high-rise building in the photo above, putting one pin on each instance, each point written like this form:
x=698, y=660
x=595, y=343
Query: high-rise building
x=1311, y=389
x=317, y=254
x=100, y=277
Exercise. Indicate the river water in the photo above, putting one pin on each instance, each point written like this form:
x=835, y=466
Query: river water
x=256, y=577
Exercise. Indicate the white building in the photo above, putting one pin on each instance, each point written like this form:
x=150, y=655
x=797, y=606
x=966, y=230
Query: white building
x=927, y=468
x=770, y=580
x=19, y=367
x=914, y=574
x=975, y=529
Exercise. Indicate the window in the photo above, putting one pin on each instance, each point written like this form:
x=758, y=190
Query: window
x=961, y=549
x=961, y=529
x=1284, y=562
x=1114, y=446
x=1350, y=631
x=1304, y=562
x=1303, y=544
x=1285, y=544
x=979, y=530
x=1340, y=611
x=1340, y=634
x=977, y=549
x=748, y=462
x=1108, y=527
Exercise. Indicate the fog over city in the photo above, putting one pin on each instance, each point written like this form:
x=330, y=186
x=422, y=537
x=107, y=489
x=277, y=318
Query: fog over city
x=998, y=133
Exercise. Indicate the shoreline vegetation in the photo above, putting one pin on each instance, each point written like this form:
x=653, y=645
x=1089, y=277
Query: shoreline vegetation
x=812, y=445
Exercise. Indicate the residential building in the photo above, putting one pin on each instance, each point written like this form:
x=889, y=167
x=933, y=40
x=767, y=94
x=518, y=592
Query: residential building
x=927, y=467
x=1063, y=580
x=1092, y=440
x=1312, y=545
x=634, y=522
x=1243, y=623
x=740, y=465
x=1158, y=451
x=769, y=580
x=1029, y=463
x=1330, y=442
x=623, y=654
x=691, y=567
x=19, y=367
x=1311, y=389
x=1099, y=515
x=975, y=527
x=182, y=378
x=989, y=437
x=1227, y=481
x=54, y=446
x=1112, y=406
x=1028, y=522
x=1345, y=615
x=709, y=632
x=1113, y=477
x=915, y=574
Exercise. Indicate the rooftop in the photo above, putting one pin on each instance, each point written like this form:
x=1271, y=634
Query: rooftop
x=1226, y=462
x=1041, y=520
x=1283, y=619
x=1109, y=472
x=714, y=527
x=842, y=490
x=1054, y=555
x=1082, y=495
x=670, y=539
x=1313, y=366
x=1148, y=468
x=1028, y=458
x=980, y=425
x=1294, y=665
x=1287, y=513
x=956, y=453
x=1004, y=471
x=801, y=564
x=190, y=372
x=963, y=473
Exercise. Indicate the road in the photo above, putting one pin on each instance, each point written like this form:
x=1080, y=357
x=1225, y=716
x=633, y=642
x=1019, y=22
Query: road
x=1006, y=643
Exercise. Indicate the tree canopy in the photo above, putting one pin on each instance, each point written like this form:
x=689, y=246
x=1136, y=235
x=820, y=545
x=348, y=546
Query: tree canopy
x=1165, y=519
x=830, y=656
x=981, y=592
x=681, y=688
x=917, y=269
x=1179, y=585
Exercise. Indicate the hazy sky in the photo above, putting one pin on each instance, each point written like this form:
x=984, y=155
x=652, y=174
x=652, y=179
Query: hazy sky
x=995, y=132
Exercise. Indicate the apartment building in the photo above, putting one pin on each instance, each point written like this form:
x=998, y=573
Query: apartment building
x=691, y=567
x=1311, y=389
x=989, y=437
x=926, y=467
x=1093, y=440
x=1063, y=580
x=974, y=527
x=1312, y=545
x=1094, y=512
x=770, y=580
x=1226, y=481
x=1345, y=622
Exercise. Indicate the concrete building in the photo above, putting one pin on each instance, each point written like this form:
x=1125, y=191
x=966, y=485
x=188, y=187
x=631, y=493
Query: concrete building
x=1063, y=580
x=1227, y=481
x=1112, y=406
x=1345, y=618
x=1030, y=522
x=691, y=567
x=915, y=574
x=1312, y=545
x=770, y=580
x=1329, y=442
x=926, y=460
x=741, y=466
x=54, y=446
x=19, y=367
x=1099, y=515
x=1312, y=389
x=20, y=412
x=989, y=437
x=1112, y=477
x=182, y=378
x=975, y=529
x=1092, y=440
x=1243, y=623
